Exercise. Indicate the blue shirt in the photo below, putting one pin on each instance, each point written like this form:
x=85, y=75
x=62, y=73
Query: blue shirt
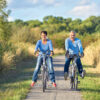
x=43, y=48
x=73, y=47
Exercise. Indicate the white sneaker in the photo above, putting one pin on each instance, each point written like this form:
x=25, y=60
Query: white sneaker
x=65, y=75
x=83, y=74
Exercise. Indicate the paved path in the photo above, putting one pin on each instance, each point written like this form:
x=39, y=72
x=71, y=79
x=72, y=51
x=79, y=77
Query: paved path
x=62, y=92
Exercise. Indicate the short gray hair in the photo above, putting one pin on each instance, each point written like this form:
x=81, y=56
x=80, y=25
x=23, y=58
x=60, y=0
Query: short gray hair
x=72, y=31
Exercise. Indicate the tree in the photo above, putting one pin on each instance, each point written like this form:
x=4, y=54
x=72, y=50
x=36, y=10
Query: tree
x=19, y=22
x=34, y=23
x=53, y=20
x=68, y=20
x=97, y=29
x=90, y=24
x=73, y=25
x=2, y=5
x=4, y=27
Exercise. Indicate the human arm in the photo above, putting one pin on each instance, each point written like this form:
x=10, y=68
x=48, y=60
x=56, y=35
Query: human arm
x=67, y=48
x=36, y=48
x=67, y=45
x=80, y=48
x=51, y=48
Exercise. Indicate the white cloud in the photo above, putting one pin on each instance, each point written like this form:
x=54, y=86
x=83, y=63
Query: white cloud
x=10, y=19
x=85, y=10
x=43, y=2
x=34, y=1
x=9, y=1
x=57, y=4
x=49, y=1
x=19, y=4
x=85, y=2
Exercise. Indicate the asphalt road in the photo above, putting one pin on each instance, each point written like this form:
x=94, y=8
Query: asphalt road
x=62, y=92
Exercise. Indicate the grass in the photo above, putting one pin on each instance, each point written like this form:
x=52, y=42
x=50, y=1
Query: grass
x=90, y=85
x=15, y=83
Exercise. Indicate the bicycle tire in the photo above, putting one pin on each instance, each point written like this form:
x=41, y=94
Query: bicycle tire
x=71, y=82
x=76, y=83
x=43, y=80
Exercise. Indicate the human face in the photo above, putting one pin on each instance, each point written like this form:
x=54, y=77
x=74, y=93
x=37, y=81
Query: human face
x=72, y=35
x=43, y=36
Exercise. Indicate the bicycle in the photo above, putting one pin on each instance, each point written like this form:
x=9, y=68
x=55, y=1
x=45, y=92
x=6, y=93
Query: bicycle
x=44, y=72
x=73, y=72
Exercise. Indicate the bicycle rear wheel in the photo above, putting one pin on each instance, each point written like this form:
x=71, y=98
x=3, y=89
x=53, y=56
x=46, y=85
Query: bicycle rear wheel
x=71, y=82
x=76, y=82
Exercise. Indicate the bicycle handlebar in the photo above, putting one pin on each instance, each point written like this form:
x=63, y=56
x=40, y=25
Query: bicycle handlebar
x=74, y=56
x=46, y=53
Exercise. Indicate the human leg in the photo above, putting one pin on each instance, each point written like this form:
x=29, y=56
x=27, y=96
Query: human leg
x=38, y=65
x=50, y=68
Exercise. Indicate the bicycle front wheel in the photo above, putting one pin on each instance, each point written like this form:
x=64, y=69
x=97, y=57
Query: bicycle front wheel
x=43, y=79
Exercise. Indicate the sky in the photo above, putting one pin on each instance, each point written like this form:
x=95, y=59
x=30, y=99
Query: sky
x=38, y=9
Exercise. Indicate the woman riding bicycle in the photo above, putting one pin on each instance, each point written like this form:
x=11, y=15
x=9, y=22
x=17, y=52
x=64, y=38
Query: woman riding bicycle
x=44, y=45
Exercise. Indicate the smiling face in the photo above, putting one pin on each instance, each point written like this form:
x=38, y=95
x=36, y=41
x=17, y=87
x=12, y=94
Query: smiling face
x=72, y=35
x=43, y=36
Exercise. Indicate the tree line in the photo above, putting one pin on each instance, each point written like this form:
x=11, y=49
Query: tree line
x=57, y=24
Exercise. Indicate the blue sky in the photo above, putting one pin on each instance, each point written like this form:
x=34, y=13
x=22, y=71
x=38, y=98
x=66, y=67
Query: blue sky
x=37, y=9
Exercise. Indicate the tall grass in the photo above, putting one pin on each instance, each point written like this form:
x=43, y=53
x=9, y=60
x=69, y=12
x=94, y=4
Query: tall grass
x=23, y=34
x=18, y=52
x=92, y=55
x=8, y=60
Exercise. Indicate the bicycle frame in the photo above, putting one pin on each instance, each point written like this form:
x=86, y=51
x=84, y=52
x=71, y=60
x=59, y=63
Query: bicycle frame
x=73, y=72
x=44, y=70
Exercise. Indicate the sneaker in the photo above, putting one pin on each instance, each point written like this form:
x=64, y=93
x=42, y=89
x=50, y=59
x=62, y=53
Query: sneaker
x=32, y=84
x=83, y=74
x=65, y=75
x=54, y=84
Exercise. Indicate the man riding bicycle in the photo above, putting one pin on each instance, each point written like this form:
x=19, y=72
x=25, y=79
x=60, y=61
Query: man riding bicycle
x=44, y=45
x=73, y=46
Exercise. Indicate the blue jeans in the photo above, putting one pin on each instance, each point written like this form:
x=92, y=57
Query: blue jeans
x=49, y=63
x=78, y=62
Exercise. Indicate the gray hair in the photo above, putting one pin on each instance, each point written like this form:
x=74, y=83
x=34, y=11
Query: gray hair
x=73, y=32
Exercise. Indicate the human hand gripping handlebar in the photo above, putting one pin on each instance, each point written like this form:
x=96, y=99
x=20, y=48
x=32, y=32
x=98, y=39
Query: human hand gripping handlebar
x=36, y=53
x=80, y=55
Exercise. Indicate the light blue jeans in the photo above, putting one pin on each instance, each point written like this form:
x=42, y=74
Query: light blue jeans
x=49, y=63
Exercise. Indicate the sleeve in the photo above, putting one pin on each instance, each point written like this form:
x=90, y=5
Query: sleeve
x=50, y=45
x=37, y=46
x=80, y=46
x=66, y=45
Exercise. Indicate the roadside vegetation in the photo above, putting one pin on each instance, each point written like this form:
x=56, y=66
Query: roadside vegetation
x=90, y=85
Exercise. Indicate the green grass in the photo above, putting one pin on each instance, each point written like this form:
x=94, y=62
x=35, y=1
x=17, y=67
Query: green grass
x=15, y=83
x=90, y=86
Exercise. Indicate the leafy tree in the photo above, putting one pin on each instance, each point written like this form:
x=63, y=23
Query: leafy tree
x=97, y=20
x=68, y=20
x=53, y=20
x=97, y=29
x=73, y=25
x=34, y=23
x=90, y=24
x=4, y=27
x=82, y=29
x=20, y=23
